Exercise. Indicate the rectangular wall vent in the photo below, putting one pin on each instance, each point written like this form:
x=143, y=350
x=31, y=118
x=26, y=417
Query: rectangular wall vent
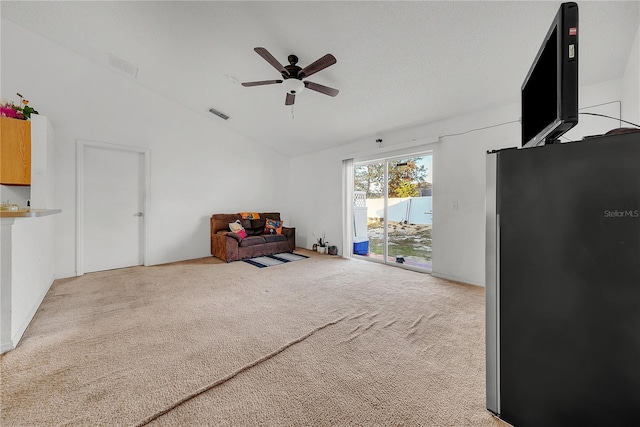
x=218, y=113
x=123, y=65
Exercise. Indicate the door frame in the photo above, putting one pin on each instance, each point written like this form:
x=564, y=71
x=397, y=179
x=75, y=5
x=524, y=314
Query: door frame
x=81, y=144
x=385, y=159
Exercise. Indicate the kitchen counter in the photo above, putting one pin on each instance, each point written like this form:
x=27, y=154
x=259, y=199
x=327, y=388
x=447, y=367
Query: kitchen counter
x=28, y=213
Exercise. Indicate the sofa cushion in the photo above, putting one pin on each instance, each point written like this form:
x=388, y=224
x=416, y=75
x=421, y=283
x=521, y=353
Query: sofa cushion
x=252, y=241
x=257, y=225
x=273, y=227
x=269, y=238
x=230, y=234
x=246, y=223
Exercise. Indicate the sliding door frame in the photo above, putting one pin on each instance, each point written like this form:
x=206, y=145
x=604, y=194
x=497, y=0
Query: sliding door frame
x=385, y=224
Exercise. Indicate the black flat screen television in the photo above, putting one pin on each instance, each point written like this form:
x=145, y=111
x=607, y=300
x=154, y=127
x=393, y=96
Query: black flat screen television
x=550, y=90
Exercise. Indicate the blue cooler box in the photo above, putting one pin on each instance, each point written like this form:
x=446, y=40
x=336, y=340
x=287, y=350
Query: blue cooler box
x=361, y=245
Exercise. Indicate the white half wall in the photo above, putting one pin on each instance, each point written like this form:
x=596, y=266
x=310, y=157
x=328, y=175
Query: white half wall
x=459, y=155
x=32, y=238
x=198, y=165
x=26, y=273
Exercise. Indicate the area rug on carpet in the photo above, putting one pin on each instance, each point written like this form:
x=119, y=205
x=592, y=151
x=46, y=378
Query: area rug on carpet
x=277, y=259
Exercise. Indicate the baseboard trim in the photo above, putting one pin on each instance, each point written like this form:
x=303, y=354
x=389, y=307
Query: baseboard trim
x=454, y=278
x=6, y=346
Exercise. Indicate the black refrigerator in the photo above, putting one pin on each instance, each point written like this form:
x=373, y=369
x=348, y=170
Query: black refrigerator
x=563, y=283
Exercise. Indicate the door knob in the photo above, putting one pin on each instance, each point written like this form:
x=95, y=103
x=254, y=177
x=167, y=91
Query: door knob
x=138, y=214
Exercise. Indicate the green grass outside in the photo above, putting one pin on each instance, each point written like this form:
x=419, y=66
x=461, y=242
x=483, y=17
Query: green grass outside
x=410, y=241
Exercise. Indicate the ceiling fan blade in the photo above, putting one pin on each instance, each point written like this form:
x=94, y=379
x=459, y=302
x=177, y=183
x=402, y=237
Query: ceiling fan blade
x=320, y=64
x=260, y=83
x=290, y=99
x=271, y=60
x=321, y=88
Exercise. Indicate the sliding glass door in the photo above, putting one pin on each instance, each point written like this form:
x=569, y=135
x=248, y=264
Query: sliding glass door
x=393, y=211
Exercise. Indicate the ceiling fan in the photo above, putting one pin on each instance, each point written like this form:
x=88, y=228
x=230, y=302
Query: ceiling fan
x=292, y=75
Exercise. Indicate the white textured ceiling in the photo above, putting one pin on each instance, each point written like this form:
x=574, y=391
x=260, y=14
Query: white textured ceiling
x=398, y=63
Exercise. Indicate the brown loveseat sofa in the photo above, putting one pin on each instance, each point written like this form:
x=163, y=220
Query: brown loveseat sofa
x=230, y=246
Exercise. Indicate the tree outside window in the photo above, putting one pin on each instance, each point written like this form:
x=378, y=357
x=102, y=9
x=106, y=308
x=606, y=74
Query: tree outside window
x=406, y=178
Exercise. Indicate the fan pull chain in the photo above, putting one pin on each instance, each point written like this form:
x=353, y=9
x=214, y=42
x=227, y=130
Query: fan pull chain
x=292, y=115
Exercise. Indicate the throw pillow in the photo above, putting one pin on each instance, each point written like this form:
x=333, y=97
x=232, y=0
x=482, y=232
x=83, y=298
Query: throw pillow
x=272, y=226
x=249, y=215
x=236, y=227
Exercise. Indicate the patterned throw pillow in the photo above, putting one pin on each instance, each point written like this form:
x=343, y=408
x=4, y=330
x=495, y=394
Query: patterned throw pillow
x=249, y=215
x=236, y=227
x=272, y=226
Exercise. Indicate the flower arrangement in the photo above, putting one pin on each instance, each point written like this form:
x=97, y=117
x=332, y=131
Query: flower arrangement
x=21, y=112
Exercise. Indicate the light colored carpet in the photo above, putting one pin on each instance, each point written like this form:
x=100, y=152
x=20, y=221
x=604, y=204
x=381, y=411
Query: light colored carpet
x=319, y=342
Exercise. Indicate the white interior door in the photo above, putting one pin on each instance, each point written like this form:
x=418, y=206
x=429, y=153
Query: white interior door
x=112, y=208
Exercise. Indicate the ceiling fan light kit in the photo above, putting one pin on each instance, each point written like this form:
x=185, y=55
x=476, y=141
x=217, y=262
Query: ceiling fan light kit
x=292, y=75
x=293, y=86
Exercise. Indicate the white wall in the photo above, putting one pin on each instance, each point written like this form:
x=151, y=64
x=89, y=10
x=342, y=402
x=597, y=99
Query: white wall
x=198, y=166
x=459, y=176
x=631, y=85
x=15, y=194
x=42, y=163
x=459, y=192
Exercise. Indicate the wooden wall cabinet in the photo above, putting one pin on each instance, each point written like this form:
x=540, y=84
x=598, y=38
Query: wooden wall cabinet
x=15, y=151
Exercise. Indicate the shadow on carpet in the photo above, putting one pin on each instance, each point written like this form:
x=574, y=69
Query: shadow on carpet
x=277, y=259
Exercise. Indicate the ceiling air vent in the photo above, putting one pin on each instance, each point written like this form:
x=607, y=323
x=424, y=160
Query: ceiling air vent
x=123, y=65
x=218, y=113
